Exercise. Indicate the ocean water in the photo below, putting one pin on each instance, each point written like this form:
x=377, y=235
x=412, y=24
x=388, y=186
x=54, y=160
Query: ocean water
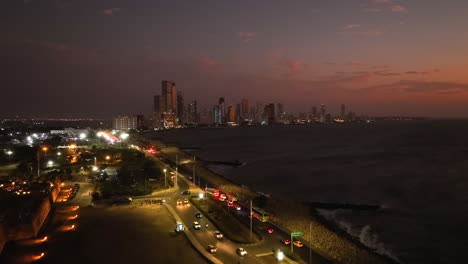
x=416, y=170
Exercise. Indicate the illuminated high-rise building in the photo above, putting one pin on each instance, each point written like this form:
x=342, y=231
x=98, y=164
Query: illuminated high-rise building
x=231, y=114
x=323, y=113
x=217, y=115
x=168, y=103
x=192, y=112
x=269, y=113
x=180, y=108
x=245, y=109
x=222, y=107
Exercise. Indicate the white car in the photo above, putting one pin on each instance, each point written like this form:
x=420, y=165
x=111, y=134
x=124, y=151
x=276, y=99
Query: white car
x=241, y=251
x=218, y=234
x=196, y=225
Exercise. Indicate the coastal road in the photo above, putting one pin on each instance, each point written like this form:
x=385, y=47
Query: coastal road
x=227, y=249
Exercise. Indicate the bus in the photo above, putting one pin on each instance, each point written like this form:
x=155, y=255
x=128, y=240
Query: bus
x=260, y=214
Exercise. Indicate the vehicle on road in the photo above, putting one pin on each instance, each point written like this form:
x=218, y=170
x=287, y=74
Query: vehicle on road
x=298, y=243
x=270, y=230
x=185, y=192
x=122, y=200
x=218, y=234
x=186, y=201
x=285, y=241
x=179, y=201
x=212, y=249
x=198, y=215
x=196, y=225
x=241, y=251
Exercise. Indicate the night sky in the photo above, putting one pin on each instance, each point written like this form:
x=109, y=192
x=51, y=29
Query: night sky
x=91, y=58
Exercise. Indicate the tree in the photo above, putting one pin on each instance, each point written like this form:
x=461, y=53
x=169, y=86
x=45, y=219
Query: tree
x=23, y=168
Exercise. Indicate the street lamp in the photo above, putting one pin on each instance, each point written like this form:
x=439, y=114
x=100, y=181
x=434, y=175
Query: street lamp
x=165, y=178
x=123, y=137
x=82, y=136
x=50, y=163
x=9, y=153
x=279, y=255
x=45, y=149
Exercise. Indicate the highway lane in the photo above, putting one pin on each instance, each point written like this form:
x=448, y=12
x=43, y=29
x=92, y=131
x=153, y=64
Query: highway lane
x=226, y=249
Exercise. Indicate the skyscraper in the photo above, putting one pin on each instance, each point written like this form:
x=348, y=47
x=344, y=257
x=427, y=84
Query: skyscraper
x=156, y=114
x=270, y=113
x=245, y=109
x=192, y=112
x=217, y=115
x=180, y=108
x=238, y=118
x=322, y=113
x=281, y=114
x=222, y=109
x=168, y=103
x=231, y=114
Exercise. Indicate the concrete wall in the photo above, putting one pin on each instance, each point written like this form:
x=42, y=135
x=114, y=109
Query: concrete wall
x=31, y=229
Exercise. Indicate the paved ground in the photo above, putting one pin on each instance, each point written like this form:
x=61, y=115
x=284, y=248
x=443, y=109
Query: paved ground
x=107, y=234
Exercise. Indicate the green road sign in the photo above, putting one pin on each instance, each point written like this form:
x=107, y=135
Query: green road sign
x=295, y=234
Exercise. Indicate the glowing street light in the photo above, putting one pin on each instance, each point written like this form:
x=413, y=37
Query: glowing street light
x=124, y=136
x=165, y=178
x=50, y=163
x=45, y=149
x=82, y=136
x=280, y=255
x=59, y=153
x=107, y=157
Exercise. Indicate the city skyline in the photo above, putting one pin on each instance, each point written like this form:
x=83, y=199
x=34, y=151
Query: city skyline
x=380, y=57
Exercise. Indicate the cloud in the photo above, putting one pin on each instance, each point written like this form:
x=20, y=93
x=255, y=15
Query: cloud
x=350, y=26
x=385, y=73
x=293, y=64
x=411, y=86
x=354, y=63
x=372, y=10
x=382, y=1
x=206, y=63
x=246, y=34
x=370, y=33
x=57, y=46
x=399, y=9
x=111, y=11
x=416, y=72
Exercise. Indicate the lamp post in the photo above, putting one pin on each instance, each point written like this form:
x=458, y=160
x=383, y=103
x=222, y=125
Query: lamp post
x=165, y=178
x=9, y=153
x=176, y=170
x=45, y=149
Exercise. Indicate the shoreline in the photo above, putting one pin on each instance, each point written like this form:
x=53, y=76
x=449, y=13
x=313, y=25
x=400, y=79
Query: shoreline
x=327, y=238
